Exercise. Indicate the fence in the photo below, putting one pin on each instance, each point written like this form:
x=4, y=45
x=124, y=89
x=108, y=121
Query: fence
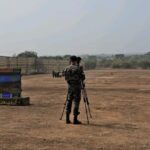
x=33, y=65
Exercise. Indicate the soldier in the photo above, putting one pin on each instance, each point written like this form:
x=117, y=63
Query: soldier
x=74, y=77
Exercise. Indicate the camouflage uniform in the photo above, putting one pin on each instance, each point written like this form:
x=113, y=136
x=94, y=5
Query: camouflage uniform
x=74, y=75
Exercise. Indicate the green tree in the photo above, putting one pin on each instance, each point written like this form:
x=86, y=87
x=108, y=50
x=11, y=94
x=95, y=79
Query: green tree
x=28, y=54
x=90, y=62
x=145, y=64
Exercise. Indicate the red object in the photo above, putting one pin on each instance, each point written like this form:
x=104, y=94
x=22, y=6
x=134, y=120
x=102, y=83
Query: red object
x=9, y=70
x=3, y=70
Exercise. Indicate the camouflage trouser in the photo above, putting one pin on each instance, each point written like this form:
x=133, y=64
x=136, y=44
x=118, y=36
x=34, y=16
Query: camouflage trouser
x=74, y=94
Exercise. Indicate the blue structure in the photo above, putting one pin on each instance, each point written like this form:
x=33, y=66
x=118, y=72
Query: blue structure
x=10, y=78
x=10, y=87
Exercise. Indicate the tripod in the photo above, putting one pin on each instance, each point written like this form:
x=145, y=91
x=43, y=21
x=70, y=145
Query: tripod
x=86, y=103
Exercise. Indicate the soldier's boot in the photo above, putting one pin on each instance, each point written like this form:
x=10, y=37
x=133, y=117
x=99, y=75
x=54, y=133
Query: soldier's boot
x=68, y=118
x=76, y=121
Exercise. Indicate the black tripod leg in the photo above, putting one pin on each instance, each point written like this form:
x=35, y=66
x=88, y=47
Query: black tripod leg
x=64, y=108
x=63, y=111
x=89, y=111
x=86, y=111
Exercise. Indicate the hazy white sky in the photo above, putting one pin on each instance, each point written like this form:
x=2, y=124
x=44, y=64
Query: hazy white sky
x=57, y=27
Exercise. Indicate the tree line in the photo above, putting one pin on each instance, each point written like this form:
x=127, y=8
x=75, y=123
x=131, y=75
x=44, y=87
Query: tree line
x=125, y=61
x=103, y=61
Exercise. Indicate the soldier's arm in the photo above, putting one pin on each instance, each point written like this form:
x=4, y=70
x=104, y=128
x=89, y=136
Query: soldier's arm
x=82, y=73
x=66, y=75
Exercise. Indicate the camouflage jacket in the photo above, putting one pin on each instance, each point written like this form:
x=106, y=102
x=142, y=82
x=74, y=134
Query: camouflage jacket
x=74, y=74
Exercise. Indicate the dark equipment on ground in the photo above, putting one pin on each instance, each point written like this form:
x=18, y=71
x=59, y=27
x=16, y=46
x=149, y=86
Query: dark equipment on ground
x=10, y=87
x=57, y=74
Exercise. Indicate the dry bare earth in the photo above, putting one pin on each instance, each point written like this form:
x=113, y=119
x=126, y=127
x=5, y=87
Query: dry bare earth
x=120, y=104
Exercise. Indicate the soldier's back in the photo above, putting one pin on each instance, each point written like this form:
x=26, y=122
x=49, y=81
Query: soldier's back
x=72, y=74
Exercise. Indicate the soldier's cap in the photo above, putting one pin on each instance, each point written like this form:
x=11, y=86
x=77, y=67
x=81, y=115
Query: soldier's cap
x=73, y=58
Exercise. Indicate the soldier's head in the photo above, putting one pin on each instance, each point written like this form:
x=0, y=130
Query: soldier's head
x=79, y=60
x=73, y=60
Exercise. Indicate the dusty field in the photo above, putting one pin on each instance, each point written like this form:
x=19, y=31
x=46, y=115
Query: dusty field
x=120, y=104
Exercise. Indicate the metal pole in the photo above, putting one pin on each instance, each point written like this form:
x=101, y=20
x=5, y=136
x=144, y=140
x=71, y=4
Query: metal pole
x=64, y=108
x=86, y=112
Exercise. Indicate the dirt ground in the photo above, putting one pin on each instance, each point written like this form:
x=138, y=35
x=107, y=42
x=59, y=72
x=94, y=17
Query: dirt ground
x=120, y=105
